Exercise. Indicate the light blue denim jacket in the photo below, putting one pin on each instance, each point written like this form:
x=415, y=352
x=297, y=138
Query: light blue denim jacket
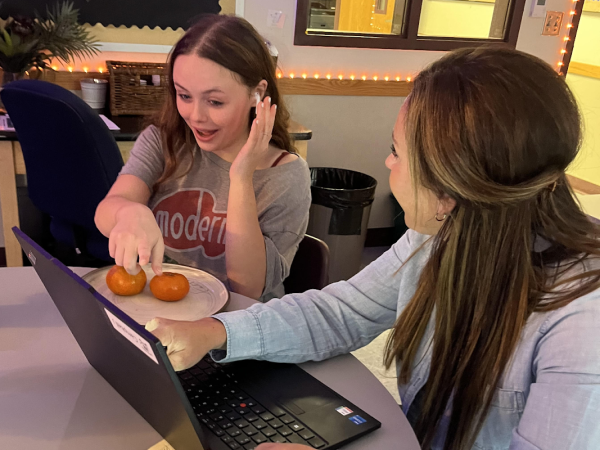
x=548, y=397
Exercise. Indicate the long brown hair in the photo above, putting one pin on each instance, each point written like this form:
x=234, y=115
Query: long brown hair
x=234, y=44
x=494, y=129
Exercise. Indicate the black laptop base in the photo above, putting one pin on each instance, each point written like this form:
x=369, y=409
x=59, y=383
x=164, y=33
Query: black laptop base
x=247, y=403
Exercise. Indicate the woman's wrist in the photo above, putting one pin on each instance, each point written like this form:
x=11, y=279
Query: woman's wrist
x=218, y=333
x=242, y=179
x=130, y=208
x=241, y=175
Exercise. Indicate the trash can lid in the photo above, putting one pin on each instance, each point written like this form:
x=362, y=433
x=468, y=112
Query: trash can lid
x=341, y=188
x=337, y=179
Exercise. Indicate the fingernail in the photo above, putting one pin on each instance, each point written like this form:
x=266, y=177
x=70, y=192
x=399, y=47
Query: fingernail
x=152, y=325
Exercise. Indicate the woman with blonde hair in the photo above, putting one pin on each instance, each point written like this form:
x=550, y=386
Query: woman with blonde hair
x=492, y=295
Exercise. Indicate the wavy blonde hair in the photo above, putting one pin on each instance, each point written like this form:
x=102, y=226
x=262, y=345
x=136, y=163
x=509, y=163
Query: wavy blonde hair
x=494, y=129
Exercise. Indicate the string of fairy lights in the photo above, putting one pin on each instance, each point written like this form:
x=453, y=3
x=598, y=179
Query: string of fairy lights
x=571, y=27
x=342, y=76
x=565, y=50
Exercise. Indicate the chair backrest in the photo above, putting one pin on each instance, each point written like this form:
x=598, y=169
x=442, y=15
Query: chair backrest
x=310, y=268
x=71, y=157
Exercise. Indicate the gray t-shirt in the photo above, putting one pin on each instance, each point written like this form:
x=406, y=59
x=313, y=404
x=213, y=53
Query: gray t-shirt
x=191, y=211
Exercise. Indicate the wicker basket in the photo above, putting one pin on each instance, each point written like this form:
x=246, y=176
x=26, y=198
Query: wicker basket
x=128, y=95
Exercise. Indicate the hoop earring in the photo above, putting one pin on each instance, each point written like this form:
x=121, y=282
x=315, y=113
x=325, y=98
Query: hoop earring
x=442, y=219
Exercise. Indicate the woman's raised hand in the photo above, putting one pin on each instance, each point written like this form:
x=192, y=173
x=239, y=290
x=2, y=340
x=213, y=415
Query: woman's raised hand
x=257, y=145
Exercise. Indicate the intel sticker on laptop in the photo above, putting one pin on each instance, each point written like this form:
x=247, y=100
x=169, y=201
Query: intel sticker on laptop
x=357, y=419
x=344, y=411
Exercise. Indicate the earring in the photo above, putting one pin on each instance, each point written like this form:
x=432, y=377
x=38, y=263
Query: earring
x=442, y=219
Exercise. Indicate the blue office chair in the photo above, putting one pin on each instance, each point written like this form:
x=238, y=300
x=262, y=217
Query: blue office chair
x=71, y=158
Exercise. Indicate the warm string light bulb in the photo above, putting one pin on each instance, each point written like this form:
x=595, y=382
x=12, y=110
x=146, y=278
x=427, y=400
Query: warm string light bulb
x=364, y=77
x=70, y=69
x=386, y=78
x=100, y=69
x=292, y=76
x=328, y=77
x=375, y=77
x=397, y=78
x=279, y=75
x=304, y=76
x=341, y=77
x=408, y=79
x=85, y=69
x=572, y=13
x=54, y=68
x=316, y=76
x=563, y=51
x=352, y=77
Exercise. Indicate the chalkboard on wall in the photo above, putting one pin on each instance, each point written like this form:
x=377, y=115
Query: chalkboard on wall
x=153, y=13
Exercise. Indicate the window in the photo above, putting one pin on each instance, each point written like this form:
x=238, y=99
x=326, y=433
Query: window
x=408, y=24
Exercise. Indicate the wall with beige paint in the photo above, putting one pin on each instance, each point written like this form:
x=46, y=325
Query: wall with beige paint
x=587, y=92
x=355, y=132
x=349, y=132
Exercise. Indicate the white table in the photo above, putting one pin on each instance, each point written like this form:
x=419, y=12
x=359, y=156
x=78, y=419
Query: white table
x=52, y=399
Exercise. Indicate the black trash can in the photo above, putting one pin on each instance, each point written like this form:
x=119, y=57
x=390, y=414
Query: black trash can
x=339, y=214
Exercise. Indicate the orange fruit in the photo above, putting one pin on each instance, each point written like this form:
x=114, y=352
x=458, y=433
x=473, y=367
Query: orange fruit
x=122, y=283
x=169, y=286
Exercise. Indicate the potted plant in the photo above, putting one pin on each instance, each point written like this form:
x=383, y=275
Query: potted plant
x=30, y=43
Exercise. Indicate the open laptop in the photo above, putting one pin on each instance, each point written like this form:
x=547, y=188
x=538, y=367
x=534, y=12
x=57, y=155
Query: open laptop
x=212, y=406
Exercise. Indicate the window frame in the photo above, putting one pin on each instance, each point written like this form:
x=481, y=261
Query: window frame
x=408, y=39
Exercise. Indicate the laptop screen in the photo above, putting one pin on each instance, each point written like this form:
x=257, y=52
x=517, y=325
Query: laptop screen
x=130, y=358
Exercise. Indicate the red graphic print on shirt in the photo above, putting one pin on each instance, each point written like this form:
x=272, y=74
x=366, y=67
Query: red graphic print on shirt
x=188, y=221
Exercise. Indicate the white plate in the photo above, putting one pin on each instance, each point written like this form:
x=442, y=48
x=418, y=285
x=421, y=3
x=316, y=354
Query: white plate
x=207, y=296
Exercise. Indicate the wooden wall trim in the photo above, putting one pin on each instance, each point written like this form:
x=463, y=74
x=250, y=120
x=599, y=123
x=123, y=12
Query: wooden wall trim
x=70, y=80
x=288, y=86
x=311, y=86
x=587, y=70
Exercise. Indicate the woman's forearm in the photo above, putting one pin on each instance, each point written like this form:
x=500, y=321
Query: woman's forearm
x=246, y=258
x=106, y=213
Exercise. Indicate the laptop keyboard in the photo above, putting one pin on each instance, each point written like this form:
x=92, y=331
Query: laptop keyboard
x=241, y=421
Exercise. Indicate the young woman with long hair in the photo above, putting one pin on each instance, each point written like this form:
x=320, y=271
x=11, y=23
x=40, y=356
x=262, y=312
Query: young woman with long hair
x=214, y=183
x=492, y=295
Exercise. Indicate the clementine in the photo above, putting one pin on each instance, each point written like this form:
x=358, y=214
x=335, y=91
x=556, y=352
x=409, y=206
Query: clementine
x=122, y=283
x=170, y=286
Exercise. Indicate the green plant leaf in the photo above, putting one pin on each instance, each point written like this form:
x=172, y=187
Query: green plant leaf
x=55, y=35
x=63, y=37
x=7, y=37
x=8, y=49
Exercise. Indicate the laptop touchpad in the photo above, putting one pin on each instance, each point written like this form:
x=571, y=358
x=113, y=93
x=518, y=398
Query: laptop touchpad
x=300, y=405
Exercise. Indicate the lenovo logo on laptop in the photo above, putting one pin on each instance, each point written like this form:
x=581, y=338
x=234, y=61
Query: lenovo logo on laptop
x=31, y=258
